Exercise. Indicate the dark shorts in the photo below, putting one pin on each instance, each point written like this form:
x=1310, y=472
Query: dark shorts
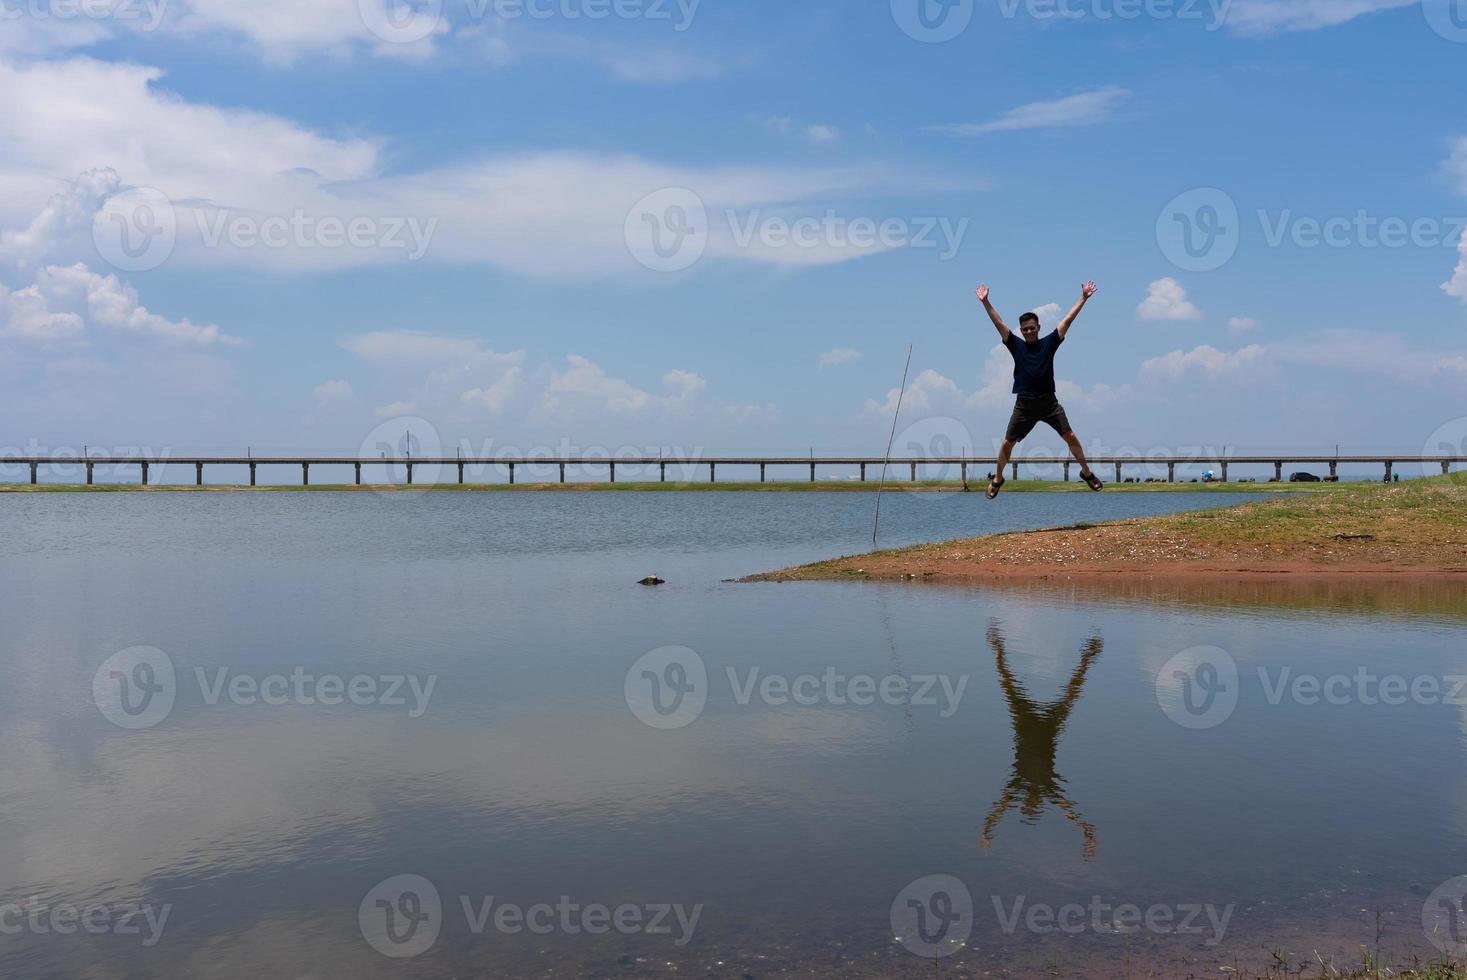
x=1030, y=410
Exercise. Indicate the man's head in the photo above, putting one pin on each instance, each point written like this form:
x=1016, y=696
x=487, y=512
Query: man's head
x=1029, y=326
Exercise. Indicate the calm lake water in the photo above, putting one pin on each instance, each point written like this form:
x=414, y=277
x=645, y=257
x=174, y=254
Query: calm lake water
x=446, y=735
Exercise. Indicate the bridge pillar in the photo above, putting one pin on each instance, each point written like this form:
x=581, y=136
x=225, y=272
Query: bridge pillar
x=33, y=473
x=1225, y=471
x=1278, y=471
x=198, y=474
x=812, y=472
x=712, y=472
x=1334, y=468
x=1446, y=467
x=662, y=472
x=863, y=472
x=460, y=474
x=1015, y=468
x=306, y=474
x=1067, y=472
x=562, y=472
x=511, y=474
x=1171, y=472
x=1118, y=472
x=145, y=472
x=761, y=472
x=1390, y=467
x=252, y=473
x=410, y=472
x=90, y=465
x=613, y=471
x=355, y=466
x=965, y=477
x=914, y=472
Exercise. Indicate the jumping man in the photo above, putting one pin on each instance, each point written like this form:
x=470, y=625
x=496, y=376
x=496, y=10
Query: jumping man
x=1034, y=385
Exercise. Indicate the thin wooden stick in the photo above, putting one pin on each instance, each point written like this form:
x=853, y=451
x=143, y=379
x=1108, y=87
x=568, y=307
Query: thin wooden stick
x=889, y=443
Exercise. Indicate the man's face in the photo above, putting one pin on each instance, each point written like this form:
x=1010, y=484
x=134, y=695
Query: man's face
x=1029, y=330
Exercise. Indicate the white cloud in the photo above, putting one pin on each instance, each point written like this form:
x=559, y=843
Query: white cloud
x=1085, y=109
x=66, y=302
x=1242, y=324
x=395, y=409
x=328, y=392
x=822, y=133
x=65, y=215
x=1049, y=313
x=839, y=355
x=585, y=388
x=1457, y=285
x=1205, y=361
x=1257, y=17
x=1167, y=300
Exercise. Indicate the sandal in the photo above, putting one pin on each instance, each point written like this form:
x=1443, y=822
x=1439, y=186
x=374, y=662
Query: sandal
x=995, y=486
x=1092, y=481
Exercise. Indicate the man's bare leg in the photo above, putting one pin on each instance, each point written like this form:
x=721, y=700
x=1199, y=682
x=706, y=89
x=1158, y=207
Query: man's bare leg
x=1004, y=452
x=1078, y=451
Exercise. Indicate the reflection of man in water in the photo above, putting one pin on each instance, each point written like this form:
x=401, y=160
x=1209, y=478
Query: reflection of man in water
x=1037, y=729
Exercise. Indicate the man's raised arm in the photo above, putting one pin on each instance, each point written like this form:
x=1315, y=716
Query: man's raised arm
x=1003, y=328
x=1086, y=291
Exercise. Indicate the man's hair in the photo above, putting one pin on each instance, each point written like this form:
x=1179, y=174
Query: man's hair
x=1027, y=317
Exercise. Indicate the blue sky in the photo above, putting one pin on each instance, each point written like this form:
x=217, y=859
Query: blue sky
x=500, y=171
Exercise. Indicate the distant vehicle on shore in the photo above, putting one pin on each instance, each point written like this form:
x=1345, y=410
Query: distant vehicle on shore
x=1302, y=477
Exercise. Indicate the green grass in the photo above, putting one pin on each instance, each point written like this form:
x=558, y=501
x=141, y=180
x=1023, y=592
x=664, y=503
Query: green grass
x=822, y=486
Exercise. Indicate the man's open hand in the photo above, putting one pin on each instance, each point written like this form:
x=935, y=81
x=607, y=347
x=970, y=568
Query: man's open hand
x=983, y=294
x=1089, y=289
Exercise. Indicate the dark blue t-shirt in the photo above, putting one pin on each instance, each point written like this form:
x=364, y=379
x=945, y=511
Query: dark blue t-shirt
x=1034, y=363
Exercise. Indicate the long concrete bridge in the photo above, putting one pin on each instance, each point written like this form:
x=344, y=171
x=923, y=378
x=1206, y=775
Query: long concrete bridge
x=764, y=463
